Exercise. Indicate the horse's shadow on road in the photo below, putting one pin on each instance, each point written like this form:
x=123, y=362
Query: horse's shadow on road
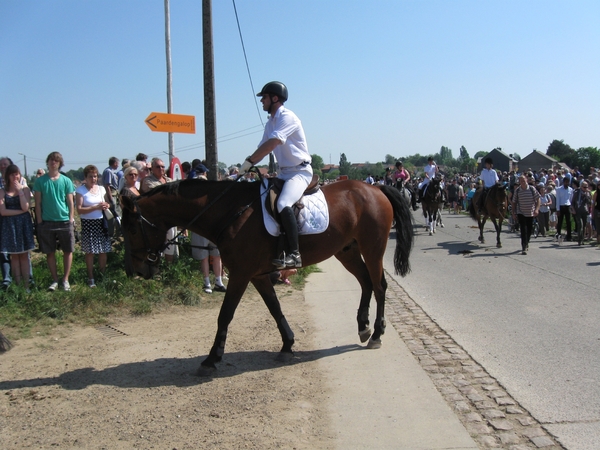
x=457, y=248
x=179, y=372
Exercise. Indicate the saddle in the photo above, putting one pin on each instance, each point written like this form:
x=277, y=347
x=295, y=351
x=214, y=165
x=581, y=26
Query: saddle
x=275, y=187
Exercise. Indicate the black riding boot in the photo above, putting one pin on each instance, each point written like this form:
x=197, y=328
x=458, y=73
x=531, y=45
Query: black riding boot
x=291, y=257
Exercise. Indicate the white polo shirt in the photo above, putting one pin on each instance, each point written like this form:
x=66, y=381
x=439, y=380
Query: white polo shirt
x=285, y=126
x=489, y=177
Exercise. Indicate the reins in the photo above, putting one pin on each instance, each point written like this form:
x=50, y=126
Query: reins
x=153, y=255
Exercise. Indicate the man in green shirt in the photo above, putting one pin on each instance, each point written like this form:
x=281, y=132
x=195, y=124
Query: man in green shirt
x=54, y=210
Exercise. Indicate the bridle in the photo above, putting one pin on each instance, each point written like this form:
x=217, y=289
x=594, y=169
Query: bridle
x=153, y=254
x=498, y=189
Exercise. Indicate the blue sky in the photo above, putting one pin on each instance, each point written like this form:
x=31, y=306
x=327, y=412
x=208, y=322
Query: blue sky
x=367, y=78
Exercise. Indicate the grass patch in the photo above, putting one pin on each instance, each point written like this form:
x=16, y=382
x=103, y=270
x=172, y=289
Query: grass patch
x=23, y=313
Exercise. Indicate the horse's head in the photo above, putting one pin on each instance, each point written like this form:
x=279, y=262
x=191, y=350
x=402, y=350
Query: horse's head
x=433, y=191
x=500, y=196
x=144, y=239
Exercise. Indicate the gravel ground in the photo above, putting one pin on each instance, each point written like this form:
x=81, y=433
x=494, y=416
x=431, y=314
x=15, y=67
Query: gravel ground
x=132, y=384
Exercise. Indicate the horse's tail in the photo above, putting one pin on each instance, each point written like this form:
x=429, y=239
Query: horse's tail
x=403, y=227
x=5, y=344
x=472, y=210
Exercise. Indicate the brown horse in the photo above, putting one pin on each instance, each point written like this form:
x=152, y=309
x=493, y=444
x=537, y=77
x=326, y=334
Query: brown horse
x=230, y=215
x=432, y=204
x=495, y=207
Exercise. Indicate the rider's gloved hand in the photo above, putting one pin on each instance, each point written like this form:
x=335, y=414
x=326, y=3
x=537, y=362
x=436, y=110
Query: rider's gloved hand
x=246, y=166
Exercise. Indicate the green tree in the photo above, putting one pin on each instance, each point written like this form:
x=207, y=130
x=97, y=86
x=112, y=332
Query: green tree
x=78, y=174
x=317, y=162
x=464, y=154
x=516, y=156
x=445, y=157
x=480, y=154
x=560, y=151
x=345, y=165
x=390, y=160
x=332, y=175
x=586, y=157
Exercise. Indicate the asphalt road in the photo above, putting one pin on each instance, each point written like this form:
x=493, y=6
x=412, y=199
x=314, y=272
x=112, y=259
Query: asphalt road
x=533, y=322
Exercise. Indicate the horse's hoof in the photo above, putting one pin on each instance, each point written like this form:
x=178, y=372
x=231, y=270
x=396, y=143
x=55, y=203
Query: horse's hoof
x=442, y=225
x=498, y=245
x=365, y=334
x=206, y=371
x=374, y=343
x=431, y=233
x=284, y=357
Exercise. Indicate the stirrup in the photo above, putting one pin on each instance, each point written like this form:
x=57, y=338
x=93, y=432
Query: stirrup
x=288, y=261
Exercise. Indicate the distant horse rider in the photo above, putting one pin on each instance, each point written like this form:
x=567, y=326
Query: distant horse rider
x=431, y=169
x=284, y=136
x=404, y=176
x=489, y=177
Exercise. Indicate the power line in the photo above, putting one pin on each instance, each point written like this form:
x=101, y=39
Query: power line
x=247, y=65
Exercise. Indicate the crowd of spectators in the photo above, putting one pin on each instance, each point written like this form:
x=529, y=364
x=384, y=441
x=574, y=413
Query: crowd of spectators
x=563, y=194
x=47, y=211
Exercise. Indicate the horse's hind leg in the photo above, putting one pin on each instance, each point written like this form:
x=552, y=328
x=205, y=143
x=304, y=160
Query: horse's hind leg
x=264, y=286
x=372, y=253
x=351, y=259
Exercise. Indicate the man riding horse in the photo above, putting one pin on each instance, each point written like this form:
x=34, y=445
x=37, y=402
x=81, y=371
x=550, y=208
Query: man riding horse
x=489, y=178
x=284, y=136
x=431, y=169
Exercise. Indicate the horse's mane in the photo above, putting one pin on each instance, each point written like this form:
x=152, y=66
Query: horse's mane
x=193, y=188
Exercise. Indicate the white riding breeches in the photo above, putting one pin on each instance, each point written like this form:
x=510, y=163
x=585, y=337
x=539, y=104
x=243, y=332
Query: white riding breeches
x=297, y=180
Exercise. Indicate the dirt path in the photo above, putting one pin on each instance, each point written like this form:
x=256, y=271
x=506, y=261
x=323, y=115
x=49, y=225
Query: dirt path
x=88, y=388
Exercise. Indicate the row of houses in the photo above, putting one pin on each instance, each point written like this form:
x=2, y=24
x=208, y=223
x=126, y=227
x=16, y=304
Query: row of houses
x=535, y=161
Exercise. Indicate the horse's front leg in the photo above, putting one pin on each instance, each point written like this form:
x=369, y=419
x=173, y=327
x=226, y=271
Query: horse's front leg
x=498, y=227
x=481, y=223
x=235, y=290
x=266, y=290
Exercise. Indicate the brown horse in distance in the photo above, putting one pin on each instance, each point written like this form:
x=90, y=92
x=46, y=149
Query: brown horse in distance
x=494, y=207
x=230, y=215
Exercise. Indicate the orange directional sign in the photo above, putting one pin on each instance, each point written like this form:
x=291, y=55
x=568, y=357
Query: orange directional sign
x=171, y=123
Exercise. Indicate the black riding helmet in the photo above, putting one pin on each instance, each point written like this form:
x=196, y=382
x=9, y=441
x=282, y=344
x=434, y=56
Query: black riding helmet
x=275, y=88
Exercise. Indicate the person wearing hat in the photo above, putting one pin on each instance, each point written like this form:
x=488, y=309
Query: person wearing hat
x=201, y=171
x=431, y=169
x=401, y=177
x=284, y=136
x=489, y=177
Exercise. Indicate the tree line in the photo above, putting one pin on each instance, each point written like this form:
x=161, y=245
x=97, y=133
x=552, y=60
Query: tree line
x=583, y=158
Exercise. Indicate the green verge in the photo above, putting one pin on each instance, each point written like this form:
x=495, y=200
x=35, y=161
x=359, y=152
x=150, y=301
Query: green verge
x=179, y=284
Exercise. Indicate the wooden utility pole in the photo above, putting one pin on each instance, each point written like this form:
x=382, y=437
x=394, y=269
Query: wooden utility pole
x=210, y=116
x=169, y=75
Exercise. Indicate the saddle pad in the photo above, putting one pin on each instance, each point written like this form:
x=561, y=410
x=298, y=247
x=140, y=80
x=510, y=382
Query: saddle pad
x=312, y=219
